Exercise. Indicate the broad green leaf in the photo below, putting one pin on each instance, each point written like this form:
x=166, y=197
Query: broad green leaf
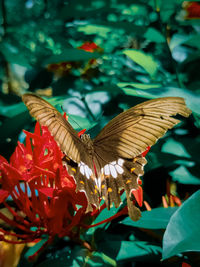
x=182, y=233
x=126, y=251
x=154, y=35
x=174, y=147
x=13, y=55
x=178, y=39
x=183, y=176
x=95, y=29
x=126, y=26
x=70, y=54
x=12, y=110
x=77, y=257
x=167, y=8
x=126, y=86
x=157, y=218
x=194, y=41
x=144, y=60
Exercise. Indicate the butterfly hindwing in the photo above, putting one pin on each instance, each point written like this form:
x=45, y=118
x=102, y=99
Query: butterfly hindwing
x=122, y=174
x=85, y=181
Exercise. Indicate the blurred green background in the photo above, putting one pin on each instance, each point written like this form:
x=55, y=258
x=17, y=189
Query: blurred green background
x=98, y=58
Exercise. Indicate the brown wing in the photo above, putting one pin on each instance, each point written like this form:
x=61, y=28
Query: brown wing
x=132, y=131
x=62, y=131
x=122, y=174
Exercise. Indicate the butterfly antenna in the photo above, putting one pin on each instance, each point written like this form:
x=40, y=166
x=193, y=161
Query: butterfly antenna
x=72, y=118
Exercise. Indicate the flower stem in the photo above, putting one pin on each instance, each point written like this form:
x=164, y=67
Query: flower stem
x=164, y=32
x=88, y=109
x=121, y=212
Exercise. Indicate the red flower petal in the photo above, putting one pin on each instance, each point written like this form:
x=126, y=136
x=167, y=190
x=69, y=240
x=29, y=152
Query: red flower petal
x=138, y=194
x=47, y=191
x=184, y=264
x=3, y=195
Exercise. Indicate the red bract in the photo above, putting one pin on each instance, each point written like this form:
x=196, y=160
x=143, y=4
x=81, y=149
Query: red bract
x=192, y=9
x=42, y=190
x=89, y=47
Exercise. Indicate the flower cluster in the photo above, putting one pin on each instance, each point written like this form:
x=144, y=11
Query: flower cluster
x=38, y=192
x=192, y=10
x=40, y=196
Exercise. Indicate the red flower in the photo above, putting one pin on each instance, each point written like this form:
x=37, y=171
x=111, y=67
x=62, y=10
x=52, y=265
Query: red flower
x=43, y=193
x=192, y=10
x=89, y=47
x=42, y=190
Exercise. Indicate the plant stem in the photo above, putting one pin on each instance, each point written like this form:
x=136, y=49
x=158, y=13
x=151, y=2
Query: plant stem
x=6, y=63
x=173, y=62
x=88, y=109
x=4, y=24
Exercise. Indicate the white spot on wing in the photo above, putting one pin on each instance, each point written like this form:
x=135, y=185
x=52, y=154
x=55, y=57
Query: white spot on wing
x=82, y=169
x=113, y=168
x=120, y=162
x=113, y=171
x=119, y=169
x=107, y=169
x=85, y=170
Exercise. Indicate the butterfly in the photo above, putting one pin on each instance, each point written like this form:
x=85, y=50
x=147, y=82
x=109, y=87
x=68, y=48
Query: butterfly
x=114, y=159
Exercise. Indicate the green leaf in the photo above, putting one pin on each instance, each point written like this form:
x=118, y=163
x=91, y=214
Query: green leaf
x=95, y=29
x=128, y=27
x=183, y=176
x=35, y=248
x=144, y=60
x=143, y=86
x=154, y=35
x=78, y=256
x=182, y=233
x=194, y=41
x=174, y=147
x=70, y=54
x=12, y=110
x=126, y=251
x=157, y=218
x=13, y=55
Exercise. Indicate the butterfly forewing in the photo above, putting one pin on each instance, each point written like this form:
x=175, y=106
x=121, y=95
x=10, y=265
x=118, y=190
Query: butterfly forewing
x=128, y=134
x=62, y=131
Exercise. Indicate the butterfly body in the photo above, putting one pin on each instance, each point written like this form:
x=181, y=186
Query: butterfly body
x=114, y=159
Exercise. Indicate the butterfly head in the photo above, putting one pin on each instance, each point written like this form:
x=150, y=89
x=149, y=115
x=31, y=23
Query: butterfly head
x=85, y=138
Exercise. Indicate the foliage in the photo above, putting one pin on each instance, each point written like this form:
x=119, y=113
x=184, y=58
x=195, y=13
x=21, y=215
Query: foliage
x=96, y=59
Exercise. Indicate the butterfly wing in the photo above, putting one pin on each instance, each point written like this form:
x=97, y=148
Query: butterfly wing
x=132, y=131
x=119, y=146
x=117, y=175
x=61, y=130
